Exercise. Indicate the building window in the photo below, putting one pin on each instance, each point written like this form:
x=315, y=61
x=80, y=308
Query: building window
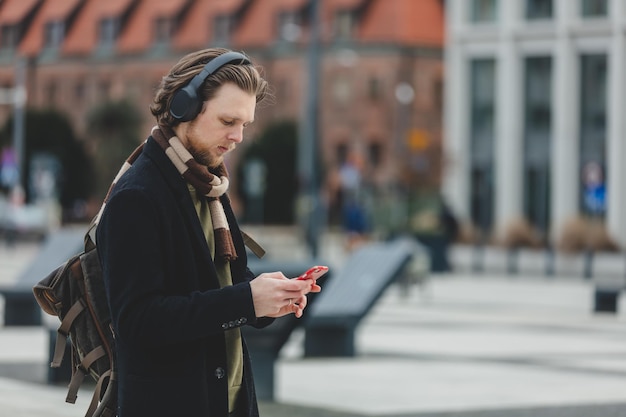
x=222, y=29
x=79, y=91
x=483, y=103
x=484, y=11
x=537, y=134
x=374, y=90
x=109, y=28
x=9, y=36
x=104, y=88
x=289, y=26
x=593, y=113
x=438, y=98
x=344, y=23
x=374, y=153
x=538, y=96
x=54, y=33
x=342, y=90
x=283, y=91
x=51, y=93
x=482, y=136
x=539, y=9
x=163, y=30
x=594, y=8
x=341, y=154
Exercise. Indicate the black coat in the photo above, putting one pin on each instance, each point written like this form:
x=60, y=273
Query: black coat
x=168, y=311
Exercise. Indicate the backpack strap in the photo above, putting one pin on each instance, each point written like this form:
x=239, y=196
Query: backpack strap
x=80, y=372
x=64, y=330
x=253, y=245
x=96, y=394
x=90, y=235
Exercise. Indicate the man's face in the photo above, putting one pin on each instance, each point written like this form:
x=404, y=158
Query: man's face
x=219, y=127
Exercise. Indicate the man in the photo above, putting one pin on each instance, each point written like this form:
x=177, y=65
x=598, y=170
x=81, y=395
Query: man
x=173, y=257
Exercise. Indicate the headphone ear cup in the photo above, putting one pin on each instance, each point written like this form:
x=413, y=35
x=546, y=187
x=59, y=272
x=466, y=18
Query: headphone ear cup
x=185, y=104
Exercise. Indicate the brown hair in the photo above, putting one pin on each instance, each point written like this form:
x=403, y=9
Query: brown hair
x=246, y=77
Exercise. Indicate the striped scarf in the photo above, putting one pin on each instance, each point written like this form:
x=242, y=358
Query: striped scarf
x=208, y=184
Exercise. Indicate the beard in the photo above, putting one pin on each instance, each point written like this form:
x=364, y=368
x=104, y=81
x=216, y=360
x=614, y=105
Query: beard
x=204, y=157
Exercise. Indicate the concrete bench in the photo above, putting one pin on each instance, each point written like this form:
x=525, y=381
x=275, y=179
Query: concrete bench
x=265, y=344
x=352, y=292
x=20, y=307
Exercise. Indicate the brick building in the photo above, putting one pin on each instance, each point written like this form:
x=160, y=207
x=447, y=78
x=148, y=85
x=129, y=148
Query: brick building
x=381, y=75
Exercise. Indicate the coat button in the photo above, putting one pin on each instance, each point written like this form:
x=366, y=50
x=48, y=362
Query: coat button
x=219, y=372
x=225, y=326
x=231, y=324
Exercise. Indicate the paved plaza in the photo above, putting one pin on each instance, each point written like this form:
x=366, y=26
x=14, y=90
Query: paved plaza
x=461, y=344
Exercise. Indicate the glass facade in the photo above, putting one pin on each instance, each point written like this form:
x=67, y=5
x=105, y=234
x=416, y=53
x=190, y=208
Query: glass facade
x=594, y=8
x=537, y=137
x=484, y=10
x=539, y=9
x=482, y=131
x=593, y=131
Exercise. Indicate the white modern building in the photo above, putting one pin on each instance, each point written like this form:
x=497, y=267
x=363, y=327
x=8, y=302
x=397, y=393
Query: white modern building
x=535, y=113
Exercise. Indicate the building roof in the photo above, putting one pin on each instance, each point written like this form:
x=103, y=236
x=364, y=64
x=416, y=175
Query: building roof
x=196, y=31
x=259, y=26
x=344, y=4
x=58, y=10
x=140, y=33
x=83, y=39
x=414, y=22
x=255, y=23
x=14, y=11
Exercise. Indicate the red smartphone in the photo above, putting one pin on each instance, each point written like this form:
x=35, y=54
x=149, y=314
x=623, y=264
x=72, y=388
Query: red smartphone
x=314, y=272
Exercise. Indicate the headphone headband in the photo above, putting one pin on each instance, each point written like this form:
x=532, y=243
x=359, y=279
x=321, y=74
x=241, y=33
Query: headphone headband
x=186, y=104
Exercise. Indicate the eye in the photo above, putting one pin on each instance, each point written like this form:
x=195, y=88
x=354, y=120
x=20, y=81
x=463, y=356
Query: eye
x=228, y=122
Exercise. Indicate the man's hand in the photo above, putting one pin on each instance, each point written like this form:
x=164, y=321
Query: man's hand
x=275, y=295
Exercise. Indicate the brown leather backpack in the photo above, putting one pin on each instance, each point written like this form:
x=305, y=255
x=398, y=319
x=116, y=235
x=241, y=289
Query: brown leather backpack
x=75, y=293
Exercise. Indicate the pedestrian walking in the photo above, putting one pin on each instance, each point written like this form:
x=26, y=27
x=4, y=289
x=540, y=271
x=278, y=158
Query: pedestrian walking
x=173, y=256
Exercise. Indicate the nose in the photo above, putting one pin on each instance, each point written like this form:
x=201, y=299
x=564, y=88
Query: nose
x=236, y=135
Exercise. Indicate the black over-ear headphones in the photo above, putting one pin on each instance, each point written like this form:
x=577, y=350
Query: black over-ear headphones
x=185, y=104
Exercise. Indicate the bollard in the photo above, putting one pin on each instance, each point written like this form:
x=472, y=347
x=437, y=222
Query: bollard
x=588, y=264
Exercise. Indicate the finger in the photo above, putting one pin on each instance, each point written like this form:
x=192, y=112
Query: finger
x=294, y=294
x=313, y=288
x=302, y=302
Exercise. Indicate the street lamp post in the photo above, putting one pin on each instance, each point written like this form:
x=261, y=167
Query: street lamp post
x=404, y=95
x=309, y=201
